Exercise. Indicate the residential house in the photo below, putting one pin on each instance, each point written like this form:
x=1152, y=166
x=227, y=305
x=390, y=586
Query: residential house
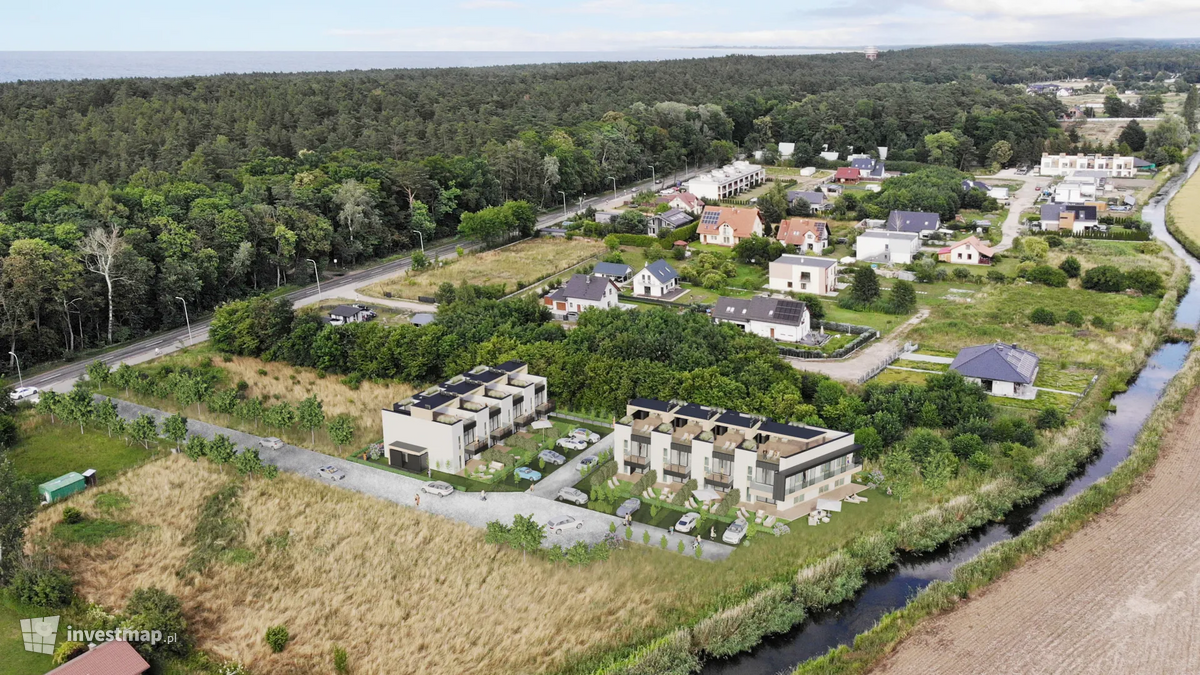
x=686, y=202
x=1001, y=369
x=803, y=274
x=617, y=272
x=969, y=251
x=815, y=198
x=868, y=168
x=656, y=280
x=115, y=657
x=847, y=175
x=889, y=248
x=582, y=291
x=786, y=150
x=968, y=185
x=917, y=222
x=806, y=234
x=447, y=425
x=1076, y=218
x=1142, y=165
x=727, y=181
x=1042, y=88
x=343, y=314
x=727, y=225
x=776, y=318
x=1114, y=166
x=667, y=221
x=780, y=468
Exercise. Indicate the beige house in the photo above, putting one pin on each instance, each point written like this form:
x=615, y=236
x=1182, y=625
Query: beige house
x=969, y=251
x=803, y=274
x=782, y=467
x=446, y=426
x=806, y=234
x=727, y=225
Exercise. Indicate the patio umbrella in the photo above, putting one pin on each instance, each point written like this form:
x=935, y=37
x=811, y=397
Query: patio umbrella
x=543, y=425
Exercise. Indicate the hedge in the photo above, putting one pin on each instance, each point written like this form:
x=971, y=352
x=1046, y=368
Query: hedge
x=640, y=240
x=685, y=233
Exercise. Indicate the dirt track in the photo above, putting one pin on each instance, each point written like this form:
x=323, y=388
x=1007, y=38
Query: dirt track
x=1121, y=596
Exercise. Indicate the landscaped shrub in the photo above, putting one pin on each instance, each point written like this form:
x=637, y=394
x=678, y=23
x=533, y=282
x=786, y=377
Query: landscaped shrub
x=72, y=515
x=40, y=583
x=1043, y=316
x=1146, y=281
x=1074, y=317
x=1047, y=276
x=1104, y=278
x=1070, y=265
x=277, y=637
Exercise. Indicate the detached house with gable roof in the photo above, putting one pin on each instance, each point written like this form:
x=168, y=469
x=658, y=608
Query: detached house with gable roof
x=727, y=225
x=969, y=251
x=806, y=234
x=579, y=293
x=776, y=318
x=1001, y=369
x=656, y=280
x=917, y=222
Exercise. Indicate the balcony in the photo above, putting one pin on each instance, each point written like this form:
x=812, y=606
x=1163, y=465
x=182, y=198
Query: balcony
x=637, y=462
x=501, y=433
x=545, y=408
x=719, y=479
x=525, y=419
x=678, y=470
x=476, y=446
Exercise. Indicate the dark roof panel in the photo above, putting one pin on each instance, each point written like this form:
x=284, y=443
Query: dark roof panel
x=509, y=366
x=790, y=430
x=733, y=418
x=651, y=404
x=696, y=411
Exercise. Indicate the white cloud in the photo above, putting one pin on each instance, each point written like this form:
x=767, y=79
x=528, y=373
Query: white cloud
x=628, y=8
x=491, y=4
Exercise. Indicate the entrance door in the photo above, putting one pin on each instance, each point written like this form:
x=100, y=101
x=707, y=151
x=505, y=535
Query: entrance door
x=772, y=333
x=645, y=290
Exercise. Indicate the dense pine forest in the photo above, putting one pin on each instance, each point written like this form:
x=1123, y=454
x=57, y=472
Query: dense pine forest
x=117, y=196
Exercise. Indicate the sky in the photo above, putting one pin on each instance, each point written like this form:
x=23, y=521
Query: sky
x=576, y=25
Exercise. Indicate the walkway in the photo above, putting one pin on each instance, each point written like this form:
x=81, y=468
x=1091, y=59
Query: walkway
x=462, y=506
x=1020, y=200
x=928, y=358
x=875, y=356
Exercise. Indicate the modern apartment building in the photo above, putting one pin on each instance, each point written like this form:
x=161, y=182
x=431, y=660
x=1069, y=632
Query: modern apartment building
x=727, y=181
x=1065, y=165
x=445, y=426
x=788, y=466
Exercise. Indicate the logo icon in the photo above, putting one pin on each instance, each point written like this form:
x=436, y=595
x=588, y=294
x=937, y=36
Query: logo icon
x=39, y=634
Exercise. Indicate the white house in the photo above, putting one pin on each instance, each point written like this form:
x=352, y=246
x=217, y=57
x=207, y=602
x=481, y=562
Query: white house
x=582, y=291
x=727, y=181
x=1000, y=194
x=1063, y=164
x=969, y=251
x=806, y=234
x=343, y=314
x=889, y=248
x=775, y=318
x=447, y=425
x=803, y=274
x=1001, y=369
x=656, y=280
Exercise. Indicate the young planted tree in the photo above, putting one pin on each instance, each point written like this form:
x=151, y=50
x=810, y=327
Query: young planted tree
x=175, y=429
x=144, y=430
x=189, y=390
x=341, y=430
x=106, y=415
x=280, y=416
x=197, y=447
x=221, y=450
x=311, y=415
x=76, y=406
x=98, y=372
x=526, y=534
x=123, y=377
x=48, y=403
x=223, y=401
x=250, y=409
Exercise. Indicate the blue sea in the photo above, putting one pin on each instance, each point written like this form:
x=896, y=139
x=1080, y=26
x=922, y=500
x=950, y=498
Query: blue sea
x=94, y=65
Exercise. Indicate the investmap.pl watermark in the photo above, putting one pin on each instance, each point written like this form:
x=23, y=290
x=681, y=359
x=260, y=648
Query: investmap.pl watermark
x=39, y=635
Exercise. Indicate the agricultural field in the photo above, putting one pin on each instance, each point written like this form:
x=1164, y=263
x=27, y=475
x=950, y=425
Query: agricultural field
x=1185, y=208
x=273, y=382
x=515, y=266
x=1119, y=613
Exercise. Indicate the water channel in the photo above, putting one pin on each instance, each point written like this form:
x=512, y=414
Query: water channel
x=891, y=589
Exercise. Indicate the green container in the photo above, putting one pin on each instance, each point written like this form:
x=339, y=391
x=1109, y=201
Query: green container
x=61, y=487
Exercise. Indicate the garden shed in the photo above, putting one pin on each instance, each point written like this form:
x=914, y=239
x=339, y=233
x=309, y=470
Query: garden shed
x=63, y=486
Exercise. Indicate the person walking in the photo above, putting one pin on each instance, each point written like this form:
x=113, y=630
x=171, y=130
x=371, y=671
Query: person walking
x=712, y=533
x=483, y=495
x=417, y=499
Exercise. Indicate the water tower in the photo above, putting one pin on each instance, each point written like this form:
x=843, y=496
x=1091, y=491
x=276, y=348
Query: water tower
x=872, y=53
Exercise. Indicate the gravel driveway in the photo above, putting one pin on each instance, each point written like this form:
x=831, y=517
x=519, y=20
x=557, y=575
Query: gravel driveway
x=466, y=507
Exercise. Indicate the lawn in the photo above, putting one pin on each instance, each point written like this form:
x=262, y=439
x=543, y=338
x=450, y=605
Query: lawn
x=515, y=266
x=922, y=365
x=1052, y=376
x=1045, y=399
x=14, y=660
x=278, y=381
x=48, y=450
x=895, y=376
x=884, y=323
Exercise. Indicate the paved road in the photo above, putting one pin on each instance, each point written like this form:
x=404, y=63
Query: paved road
x=568, y=474
x=1018, y=202
x=466, y=507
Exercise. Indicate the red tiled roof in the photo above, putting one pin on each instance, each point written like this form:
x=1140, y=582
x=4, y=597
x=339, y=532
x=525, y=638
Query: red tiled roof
x=846, y=173
x=983, y=249
x=792, y=230
x=740, y=220
x=110, y=658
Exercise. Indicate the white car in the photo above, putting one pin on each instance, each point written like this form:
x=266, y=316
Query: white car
x=22, y=393
x=557, y=525
x=271, y=442
x=735, y=533
x=585, y=435
x=571, y=443
x=570, y=494
x=331, y=472
x=587, y=463
x=438, y=487
x=687, y=522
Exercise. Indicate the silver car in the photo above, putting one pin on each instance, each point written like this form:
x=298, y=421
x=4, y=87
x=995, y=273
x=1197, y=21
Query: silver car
x=570, y=494
x=331, y=472
x=585, y=435
x=735, y=533
x=587, y=463
x=557, y=525
x=629, y=507
x=22, y=393
x=271, y=442
x=551, y=457
x=438, y=487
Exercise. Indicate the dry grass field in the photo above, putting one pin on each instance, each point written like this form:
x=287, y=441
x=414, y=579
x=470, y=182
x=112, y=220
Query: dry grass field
x=1185, y=207
x=515, y=266
x=1120, y=596
x=401, y=590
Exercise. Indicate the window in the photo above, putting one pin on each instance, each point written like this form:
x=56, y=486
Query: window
x=789, y=284
x=798, y=498
x=626, y=448
x=824, y=489
x=705, y=465
x=764, y=476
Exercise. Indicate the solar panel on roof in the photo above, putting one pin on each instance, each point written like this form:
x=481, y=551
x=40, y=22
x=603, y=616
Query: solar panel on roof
x=789, y=311
x=710, y=217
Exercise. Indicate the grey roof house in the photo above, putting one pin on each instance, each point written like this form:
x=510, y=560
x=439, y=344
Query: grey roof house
x=969, y=184
x=1001, y=369
x=776, y=318
x=815, y=199
x=912, y=221
x=662, y=270
x=668, y=220
x=614, y=271
x=657, y=280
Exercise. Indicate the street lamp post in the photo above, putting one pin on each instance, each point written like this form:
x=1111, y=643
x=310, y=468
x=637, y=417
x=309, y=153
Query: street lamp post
x=185, y=317
x=20, y=380
x=564, y=196
x=317, y=274
x=420, y=238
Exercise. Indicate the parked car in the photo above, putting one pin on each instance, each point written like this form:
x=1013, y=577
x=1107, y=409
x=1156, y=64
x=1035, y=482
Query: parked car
x=331, y=472
x=571, y=443
x=585, y=435
x=687, y=522
x=557, y=525
x=735, y=533
x=570, y=494
x=587, y=463
x=362, y=307
x=528, y=474
x=629, y=507
x=22, y=393
x=552, y=457
x=271, y=442
x=438, y=487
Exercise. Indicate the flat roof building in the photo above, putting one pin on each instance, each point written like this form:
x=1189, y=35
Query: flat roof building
x=727, y=181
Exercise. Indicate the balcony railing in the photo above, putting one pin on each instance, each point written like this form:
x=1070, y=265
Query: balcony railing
x=546, y=407
x=476, y=446
x=525, y=419
x=722, y=479
x=501, y=433
x=677, y=469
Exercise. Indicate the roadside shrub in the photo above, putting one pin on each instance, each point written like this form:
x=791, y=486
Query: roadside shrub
x=39, y=583
x=72, y=515
x=1074, y=317
x=1047, y=276
x=277, y=637
x=1146, y=281
x=1070, y=266
x=1101, y=323
x=1043, y=316
x=1104, y=278
x=1051, y=418
x=996, y=277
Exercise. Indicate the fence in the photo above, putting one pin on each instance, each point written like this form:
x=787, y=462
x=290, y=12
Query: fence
x=887, y=361
x=1112, y=235
x=864, y=334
